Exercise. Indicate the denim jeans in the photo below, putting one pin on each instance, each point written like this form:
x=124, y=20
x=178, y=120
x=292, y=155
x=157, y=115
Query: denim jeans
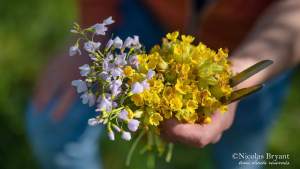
x=72, y=144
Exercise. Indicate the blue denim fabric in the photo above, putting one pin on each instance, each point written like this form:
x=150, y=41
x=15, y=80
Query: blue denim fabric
x=72, y=144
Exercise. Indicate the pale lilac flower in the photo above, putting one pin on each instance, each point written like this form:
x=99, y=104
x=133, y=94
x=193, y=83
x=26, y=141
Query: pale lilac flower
x=123, y=115
x=120, y=60
x=111, y=135
x=80, y=85
x=116, y=72
x=145, y=85
x=84, y=70
x=91, y=46
x=105, y=105
x=150, y=74
x=115, y=87
x=128, y=42
x=137, y=88
x=126, y=136
x=88, y=98
x=74, y=50
x=93, y=121
x=100, y=28
x=109, y=43
x=133, y=60
x=116, y=128
x=105, y=76
x=118, y=43
x=108, y=21
x=133, y=125
x=136, y=41
x=114, y=104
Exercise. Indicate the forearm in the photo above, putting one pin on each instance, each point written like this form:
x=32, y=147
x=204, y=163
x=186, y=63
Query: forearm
x=276, y=37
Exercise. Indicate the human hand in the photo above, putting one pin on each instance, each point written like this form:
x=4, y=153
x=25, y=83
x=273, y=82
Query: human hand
x=199, y=135
x=56, y=81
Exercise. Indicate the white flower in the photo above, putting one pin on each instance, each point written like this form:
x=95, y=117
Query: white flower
x=84, y=70
x=111, y=135
x=80, y=85
x=74, y=50
x=88, y=98
x=100, y=28
x=93, y=121
x=108, y=21
x=118, y=43
x=126, y=136
x=91, y=46
x=133, y=125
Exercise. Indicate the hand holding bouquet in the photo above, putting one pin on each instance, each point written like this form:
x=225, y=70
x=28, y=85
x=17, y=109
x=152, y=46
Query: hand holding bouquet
x=135, y=91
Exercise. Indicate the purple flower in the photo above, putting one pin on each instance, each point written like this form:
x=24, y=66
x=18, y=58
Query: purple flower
x=150, y=74
x=123, y=115
x=137, y=88
x=74, y=50
x=145, y=85
x=100, y=28
x=84, y=70
x=126, y=136
x=120, y=60
x=133, y=125
x=91, y=46
x=115, y=87
x=111, y=135
x=80, y=85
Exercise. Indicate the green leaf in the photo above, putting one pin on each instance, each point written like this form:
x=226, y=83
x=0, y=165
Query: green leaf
x=241, y=93
x=252, y=70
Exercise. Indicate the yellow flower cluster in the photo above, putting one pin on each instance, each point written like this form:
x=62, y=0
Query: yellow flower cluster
x=189, y=82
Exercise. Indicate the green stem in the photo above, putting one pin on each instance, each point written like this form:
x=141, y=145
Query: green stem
x=170, y=152
x=132, y=148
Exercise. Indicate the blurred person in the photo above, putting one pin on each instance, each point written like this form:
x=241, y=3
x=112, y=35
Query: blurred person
x=253, y=29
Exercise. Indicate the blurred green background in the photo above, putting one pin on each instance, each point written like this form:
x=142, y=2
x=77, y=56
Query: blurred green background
x=32, y=30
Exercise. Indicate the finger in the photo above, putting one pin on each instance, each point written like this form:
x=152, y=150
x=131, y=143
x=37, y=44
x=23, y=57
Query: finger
x=63, y=104
x=191, y=134
x=217, y=139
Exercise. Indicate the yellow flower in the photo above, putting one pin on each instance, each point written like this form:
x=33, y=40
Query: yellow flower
x=176, y=103
x=180, y=87
x=191, y=105
x=207, y=120
x=155, y=118
x=128, y=71
x=137, y=99
x=224, y=108
x=187, y=39
x=172, y=36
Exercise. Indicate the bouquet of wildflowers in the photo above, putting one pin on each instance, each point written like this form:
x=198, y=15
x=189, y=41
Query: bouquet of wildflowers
x=134, y=91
